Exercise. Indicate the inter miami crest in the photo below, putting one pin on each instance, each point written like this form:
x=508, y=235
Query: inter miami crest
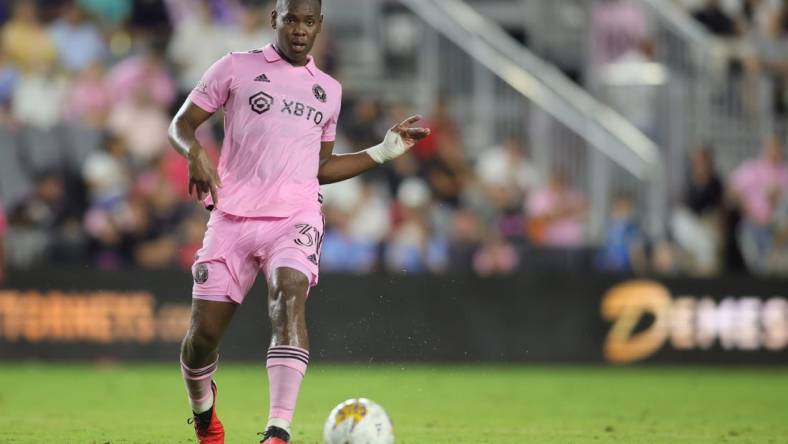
x=261, y=102
x=320, y=93
x=201, y=274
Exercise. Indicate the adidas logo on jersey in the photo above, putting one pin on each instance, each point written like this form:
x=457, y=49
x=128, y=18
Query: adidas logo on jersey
x=262, y=78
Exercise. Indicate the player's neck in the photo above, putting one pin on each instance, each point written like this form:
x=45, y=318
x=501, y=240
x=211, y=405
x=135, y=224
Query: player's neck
x=288, y=59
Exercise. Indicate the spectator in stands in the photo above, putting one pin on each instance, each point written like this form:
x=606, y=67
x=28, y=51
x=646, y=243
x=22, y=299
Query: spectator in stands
x=714, y=18
x=403, y=167
x=357, y=221
x=114, y=12
x=156, y=242
x=556, y=214
x=36, y=87
x=506, y=176
x=618, y=27
x=413, y=246
x=664, y=259
x=144, y=227
x=443, y=127
x=754, y=15
x=9, y=77
x=623, y=245
x=223, y=11
x=148, y=72
x=142, y=124
x=26, y=42
x=507, y=166
x=447, y=174
x=49, y=205
x=771, y=55
x=363, y=125
x=4, y=11
x=41, y=216
x=758, y=186
x=252, y=31
x=106, y=175
x=778, y=257
x=446, y=171
x=196, y=30
x=466, y=238
x=496, y=257
x=150, y=19
x=696, y=223
x=78, y=40
x=106, y=230
x=89, y=99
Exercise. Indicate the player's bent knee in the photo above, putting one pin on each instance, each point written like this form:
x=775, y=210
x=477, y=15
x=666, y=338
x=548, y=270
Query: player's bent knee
x=204, y=339
x=288, y=284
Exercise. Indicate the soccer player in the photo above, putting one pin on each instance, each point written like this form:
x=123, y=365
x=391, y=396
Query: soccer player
x=280, y=121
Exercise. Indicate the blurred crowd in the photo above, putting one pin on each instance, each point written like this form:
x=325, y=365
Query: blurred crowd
x=87, y=91
x=720, y=222
x=88, y=87
x=756, y=33
x=751, y=212
x=751, y=34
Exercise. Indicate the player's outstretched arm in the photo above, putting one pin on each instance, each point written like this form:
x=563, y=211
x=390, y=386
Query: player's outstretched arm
x=203, y=177
x=399, y=139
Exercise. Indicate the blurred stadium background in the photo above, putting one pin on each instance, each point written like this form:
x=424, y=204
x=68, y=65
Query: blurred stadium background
x=606, y=183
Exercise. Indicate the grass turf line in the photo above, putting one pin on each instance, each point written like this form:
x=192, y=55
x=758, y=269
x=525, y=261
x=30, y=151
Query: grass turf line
x=429, y=404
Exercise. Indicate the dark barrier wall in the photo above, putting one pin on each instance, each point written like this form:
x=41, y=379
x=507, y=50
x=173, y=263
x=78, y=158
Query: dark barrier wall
x=57, y=314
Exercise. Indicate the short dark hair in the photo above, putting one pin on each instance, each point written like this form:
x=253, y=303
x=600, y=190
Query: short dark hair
x=280, y=1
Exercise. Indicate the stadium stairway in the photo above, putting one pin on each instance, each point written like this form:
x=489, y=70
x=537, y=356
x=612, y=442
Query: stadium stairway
x=500, y=90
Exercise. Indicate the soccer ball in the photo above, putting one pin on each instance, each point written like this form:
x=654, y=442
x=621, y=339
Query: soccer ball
x=358, y=421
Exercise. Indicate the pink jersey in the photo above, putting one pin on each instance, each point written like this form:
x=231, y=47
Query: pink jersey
x=757, y=181
x=276, y=116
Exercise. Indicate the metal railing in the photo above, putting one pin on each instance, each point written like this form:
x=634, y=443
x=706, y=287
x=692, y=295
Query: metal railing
x=499, y=89
x=721, y=104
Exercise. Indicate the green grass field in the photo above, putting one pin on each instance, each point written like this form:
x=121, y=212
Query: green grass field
x=429, y=404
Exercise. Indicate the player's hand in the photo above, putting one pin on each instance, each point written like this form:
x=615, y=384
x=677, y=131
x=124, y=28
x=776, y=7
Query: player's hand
x=399, y=139
x=203, y=177
x=410, y=136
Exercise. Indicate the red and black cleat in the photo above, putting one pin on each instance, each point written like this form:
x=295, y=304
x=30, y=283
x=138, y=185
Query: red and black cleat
x=207, y=425
x=275, y=435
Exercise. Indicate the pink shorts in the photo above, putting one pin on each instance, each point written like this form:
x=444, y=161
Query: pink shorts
x=236, y=249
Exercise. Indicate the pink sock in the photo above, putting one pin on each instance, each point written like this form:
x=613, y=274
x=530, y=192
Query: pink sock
x=198, y=386
x=286, y=368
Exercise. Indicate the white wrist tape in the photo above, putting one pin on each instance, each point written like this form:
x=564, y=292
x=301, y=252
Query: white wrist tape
x=392, y=147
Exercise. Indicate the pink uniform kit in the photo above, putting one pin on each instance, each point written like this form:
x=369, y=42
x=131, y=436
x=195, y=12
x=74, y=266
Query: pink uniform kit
x=276, y=116
x=280, y=121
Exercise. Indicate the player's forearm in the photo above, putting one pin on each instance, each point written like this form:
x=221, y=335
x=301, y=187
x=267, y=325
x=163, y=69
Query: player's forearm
x=182, y=135
x=183, y=129
x=341, y=167
x=399, y=139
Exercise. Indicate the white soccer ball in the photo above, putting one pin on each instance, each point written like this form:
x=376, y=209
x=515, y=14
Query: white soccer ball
x=358, y=421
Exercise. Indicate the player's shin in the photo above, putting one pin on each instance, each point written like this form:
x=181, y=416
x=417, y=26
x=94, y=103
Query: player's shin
x=198, y=386
x=286, y=368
